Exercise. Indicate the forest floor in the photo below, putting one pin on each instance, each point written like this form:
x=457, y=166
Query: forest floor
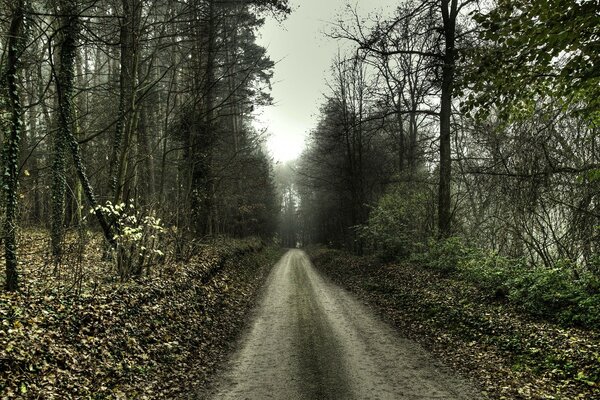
x=73, y=333
x=506, y=354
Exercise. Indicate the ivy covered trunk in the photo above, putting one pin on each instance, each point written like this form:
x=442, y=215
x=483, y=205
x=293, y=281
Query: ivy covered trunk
x=11, y=145
x=64, y=90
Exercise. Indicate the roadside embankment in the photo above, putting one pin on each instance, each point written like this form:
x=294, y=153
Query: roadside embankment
x=509, y=355
x=155, y=337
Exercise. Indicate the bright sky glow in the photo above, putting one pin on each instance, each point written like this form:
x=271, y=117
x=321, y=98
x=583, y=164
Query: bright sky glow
x=285, y=147
x=303, y=55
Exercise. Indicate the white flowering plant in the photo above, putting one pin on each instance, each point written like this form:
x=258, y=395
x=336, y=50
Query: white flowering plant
x=138, y=238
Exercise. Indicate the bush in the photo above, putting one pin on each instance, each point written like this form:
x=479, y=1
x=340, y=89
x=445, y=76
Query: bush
x=491, y=272
x=557, y=294
x=545, y=292
x=444, y=255
x=138, y=239
x=588, y=312
x=398, y=223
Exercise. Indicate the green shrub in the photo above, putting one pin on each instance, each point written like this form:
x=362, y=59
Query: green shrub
x=397, y=224
x=557, y=294
x=588, y=312
x=491, y=272
x=546, y=292
x=444, y=255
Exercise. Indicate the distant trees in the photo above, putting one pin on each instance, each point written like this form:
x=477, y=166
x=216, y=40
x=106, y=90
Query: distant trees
x=408, y=70
x=423, y=39
x=345, y=165
x=153, y=103
x=287, y=187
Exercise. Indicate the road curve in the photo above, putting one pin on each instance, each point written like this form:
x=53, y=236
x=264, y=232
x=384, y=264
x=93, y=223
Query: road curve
x=310, y=339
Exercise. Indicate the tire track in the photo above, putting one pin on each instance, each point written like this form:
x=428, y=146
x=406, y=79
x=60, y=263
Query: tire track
x=310, y=339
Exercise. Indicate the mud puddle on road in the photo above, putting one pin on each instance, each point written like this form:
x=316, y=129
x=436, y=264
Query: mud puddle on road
x=310, y=339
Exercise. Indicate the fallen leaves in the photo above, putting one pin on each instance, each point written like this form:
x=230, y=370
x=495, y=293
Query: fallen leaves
x=158, y=337
x=506, y=353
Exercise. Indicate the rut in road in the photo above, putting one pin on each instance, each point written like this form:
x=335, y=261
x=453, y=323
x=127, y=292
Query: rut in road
x=310, y=339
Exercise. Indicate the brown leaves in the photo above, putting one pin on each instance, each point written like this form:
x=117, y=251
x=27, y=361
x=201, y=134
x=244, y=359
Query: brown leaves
x=154, y=338
x=508, y=354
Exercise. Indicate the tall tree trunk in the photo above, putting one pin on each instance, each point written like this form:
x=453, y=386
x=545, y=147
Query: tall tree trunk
x=209, y=93
x=401, y=137
x=126, y=123
x=31, y=159
x=64, y=89
x=449, y=13
x=68, y=30
x=147, y=180
x=11, y=146
x=202, y=136
x=412, y=141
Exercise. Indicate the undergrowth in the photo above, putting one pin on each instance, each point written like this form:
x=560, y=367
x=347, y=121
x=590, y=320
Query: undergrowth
x=566, y=293
x=157, y=336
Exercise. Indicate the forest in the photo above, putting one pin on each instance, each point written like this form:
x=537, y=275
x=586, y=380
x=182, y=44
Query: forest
x=140, y=113
x=454, y=169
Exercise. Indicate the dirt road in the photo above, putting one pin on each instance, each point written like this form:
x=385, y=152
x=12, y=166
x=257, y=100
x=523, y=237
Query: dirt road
x=311, y=340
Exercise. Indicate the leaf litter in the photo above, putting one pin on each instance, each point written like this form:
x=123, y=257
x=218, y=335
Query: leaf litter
x=159, y=336
x=508, y=354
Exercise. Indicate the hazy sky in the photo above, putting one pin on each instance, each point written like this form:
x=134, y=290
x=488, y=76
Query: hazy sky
x=303, y=55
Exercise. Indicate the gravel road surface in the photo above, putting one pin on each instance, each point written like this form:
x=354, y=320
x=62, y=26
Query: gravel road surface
x=310, y=339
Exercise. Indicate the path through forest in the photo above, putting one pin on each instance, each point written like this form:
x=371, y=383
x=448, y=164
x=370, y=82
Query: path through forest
x=310, y=339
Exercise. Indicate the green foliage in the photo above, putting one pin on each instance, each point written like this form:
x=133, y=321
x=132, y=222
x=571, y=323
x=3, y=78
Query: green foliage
x=396, y=225
x=557, y=294
x=445, y=255
x=542, y=290
x=550, y=48
x=565, y=293
x=491, y=272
